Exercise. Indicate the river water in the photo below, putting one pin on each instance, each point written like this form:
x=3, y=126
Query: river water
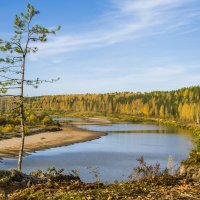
x=113, y=156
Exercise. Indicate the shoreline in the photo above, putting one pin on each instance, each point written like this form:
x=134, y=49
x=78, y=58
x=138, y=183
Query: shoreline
x=69, y=135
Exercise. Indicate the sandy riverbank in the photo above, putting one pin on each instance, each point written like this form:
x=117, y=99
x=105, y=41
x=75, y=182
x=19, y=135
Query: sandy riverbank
x=68, y=135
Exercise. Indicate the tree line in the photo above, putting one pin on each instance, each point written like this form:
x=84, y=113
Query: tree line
x=182, y=104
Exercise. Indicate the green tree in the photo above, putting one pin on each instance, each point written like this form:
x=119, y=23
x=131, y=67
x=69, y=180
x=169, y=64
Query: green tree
x=14, y=60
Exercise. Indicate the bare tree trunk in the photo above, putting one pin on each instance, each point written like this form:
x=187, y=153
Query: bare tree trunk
x=21, y=151
x=22, y=136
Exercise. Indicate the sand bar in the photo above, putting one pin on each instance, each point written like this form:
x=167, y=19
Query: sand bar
x=68, y=135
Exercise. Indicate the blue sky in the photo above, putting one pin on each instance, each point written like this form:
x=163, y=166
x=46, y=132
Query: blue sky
x=113, y=45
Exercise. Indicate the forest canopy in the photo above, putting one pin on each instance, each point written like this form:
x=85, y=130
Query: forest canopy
x=182, y=104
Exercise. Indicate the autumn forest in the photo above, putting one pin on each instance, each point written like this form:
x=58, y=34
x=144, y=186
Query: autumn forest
x=183, y=104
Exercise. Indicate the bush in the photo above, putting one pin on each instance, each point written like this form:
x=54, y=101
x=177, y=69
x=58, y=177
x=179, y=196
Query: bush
x=8, y=128
x=151, y=174
x=47, y=120
x=32, y=119
x=145, y=171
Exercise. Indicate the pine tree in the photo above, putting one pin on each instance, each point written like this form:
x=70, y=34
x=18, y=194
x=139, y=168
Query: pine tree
x=13, y=64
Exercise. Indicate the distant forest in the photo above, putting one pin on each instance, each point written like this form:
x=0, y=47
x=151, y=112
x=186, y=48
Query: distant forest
x=182, y=104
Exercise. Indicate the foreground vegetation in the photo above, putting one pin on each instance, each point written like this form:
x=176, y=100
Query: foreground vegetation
x=136, y=190
x=146, y=182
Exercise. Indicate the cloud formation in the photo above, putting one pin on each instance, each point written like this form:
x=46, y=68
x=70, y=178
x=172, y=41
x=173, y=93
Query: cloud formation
x=129, y=19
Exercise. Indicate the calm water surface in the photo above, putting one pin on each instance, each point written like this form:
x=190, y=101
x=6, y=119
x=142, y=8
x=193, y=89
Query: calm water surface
x=115, y=154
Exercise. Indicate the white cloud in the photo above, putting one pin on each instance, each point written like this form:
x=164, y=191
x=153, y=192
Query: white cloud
x=129, y=20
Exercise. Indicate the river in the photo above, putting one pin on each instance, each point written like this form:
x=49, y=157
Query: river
x=113, y=156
